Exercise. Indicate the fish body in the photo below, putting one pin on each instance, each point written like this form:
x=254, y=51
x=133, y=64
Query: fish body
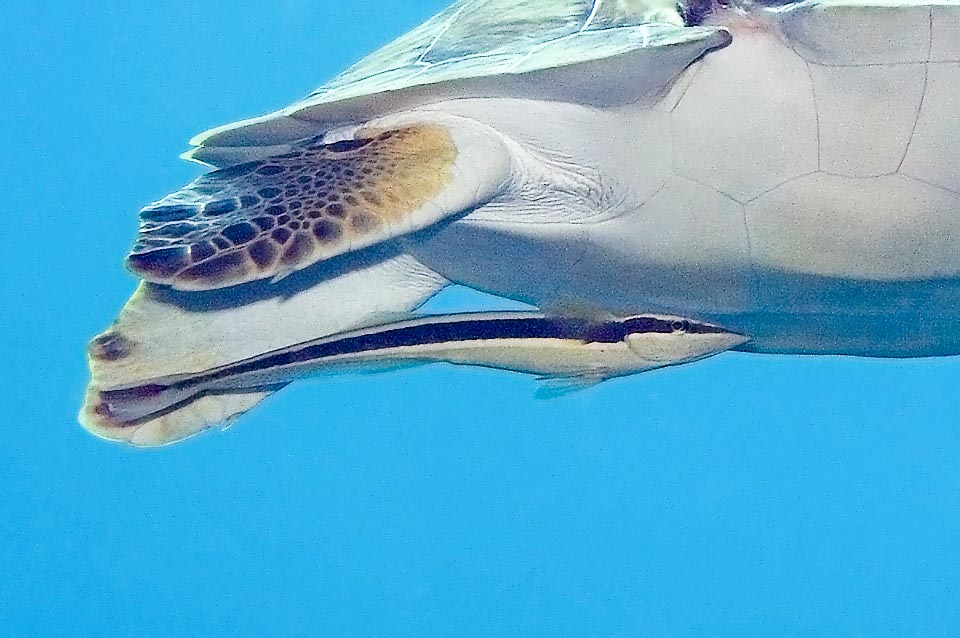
x=580, y=349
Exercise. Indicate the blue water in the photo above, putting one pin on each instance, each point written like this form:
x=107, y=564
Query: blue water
x=745, y=495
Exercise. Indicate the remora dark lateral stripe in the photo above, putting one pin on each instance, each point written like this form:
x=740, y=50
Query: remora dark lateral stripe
x=431, y=331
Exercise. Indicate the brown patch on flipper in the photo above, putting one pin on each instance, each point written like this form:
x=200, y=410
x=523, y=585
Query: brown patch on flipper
x=110, y=346
x=268, y=218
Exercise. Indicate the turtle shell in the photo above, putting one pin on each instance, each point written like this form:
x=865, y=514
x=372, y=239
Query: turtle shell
x=601, y=52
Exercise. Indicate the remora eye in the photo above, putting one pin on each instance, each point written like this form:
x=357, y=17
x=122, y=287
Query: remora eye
x=680, y=326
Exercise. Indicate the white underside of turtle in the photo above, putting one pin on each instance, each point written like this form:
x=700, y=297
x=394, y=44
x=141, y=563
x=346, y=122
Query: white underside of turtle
x=680, y=181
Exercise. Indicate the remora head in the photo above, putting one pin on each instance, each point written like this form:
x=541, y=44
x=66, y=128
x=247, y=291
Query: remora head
x=688, y=340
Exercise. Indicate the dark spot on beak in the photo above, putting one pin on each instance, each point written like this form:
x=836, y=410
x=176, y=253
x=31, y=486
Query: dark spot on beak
x=110, y=346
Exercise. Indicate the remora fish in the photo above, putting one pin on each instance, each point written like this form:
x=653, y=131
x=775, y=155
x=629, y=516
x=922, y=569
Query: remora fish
x=582, y=350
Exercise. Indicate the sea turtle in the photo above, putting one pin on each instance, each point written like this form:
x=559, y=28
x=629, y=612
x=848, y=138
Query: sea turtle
x=784, y=171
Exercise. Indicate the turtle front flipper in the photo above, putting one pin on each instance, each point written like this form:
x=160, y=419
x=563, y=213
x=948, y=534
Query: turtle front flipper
x=267, y=218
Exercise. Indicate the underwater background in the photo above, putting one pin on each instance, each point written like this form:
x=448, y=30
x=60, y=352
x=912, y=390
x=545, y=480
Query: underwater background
x=744, y=495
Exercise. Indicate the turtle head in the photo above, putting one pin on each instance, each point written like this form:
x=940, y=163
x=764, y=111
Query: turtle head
x=696, y=12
